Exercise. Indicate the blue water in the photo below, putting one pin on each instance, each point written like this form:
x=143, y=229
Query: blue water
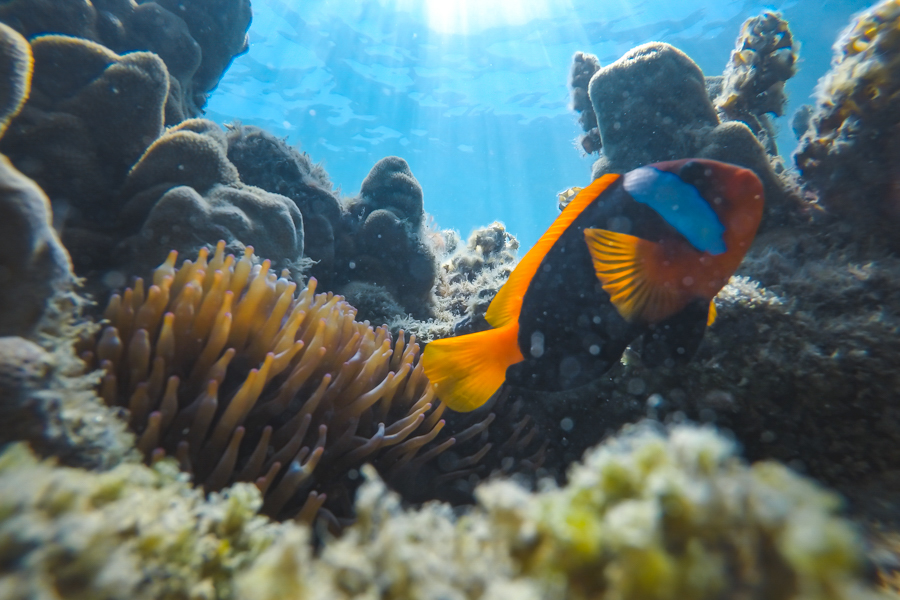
x=473, y=93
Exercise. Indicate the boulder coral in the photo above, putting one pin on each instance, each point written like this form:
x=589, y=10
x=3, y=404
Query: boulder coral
x=90, y=116
x=639, y=126
x=34, y=265
x=849, y=153
x=196, y=39
x=221, y=365
x=267, y=162
x=649, y=515
x=724, y=118
x=388, y=238
x=127, y=190
x=184, y=193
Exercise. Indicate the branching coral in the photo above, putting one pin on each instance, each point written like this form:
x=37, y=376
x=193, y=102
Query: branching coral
x=221, y=365
x=650, y=515
x=850, y=151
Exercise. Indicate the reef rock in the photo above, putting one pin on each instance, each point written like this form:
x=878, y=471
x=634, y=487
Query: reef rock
x=638, y=125
x=389, y=245
x=34, y=265
x=851, y=147
x=196, y=39
x=269, y=163
x=753, y=84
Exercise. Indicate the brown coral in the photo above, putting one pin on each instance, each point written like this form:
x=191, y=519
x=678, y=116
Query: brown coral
x=222, y=365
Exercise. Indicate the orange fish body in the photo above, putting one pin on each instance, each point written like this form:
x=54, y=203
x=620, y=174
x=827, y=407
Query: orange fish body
x=640, y=254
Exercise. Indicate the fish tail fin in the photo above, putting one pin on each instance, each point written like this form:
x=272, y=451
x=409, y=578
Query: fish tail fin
x=468, y=370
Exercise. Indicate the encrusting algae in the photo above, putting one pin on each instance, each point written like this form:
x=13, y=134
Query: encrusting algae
x=649, y=515
x=221, y=365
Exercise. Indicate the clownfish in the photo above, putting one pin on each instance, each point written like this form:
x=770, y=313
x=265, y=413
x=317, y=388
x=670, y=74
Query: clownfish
x=639, y=254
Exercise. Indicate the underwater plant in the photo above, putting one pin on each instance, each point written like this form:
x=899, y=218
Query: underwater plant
x=221, y=365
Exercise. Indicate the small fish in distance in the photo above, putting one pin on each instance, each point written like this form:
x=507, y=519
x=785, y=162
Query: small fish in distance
x=639, y=254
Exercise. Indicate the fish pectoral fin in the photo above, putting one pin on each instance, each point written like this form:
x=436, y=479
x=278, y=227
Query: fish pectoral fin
x=467, y=370
x=626, y=266
x=711, y=315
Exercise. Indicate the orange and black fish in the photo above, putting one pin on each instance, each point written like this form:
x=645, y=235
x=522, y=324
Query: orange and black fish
x=640, y=254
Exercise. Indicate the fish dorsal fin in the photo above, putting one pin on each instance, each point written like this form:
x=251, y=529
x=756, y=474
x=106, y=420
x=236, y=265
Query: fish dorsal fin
x=507, y=304
x=467, y=370
x=626, y=267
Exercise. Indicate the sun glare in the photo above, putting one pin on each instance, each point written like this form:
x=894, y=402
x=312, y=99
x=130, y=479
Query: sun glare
x=467, y=16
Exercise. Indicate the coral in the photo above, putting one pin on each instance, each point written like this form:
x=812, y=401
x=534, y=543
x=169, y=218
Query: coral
x=132, y=532
x=851, y=147
x=169, y=206
x=474, y=273
x=220, y=29
x=16, y=63
x=583, y=68
x=639, y=126
x=34, y=266
x=722, y=118
x=469, y=276
x=268, y=162
x=90, y=116
x=645, y=516
x=196, y=39
x=753, y=83
x=387, y=236
x=625, y=98
x=221, y=365
x=799, y=366
x=648, y=515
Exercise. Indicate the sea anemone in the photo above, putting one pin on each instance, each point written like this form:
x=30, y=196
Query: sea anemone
x=221, y=365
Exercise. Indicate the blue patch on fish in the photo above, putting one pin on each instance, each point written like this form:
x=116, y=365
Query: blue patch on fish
x=680, y=204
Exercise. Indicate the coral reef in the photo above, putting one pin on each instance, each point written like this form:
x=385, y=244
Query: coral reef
x=850, y=149
x=47, y=402
x=799, y=366
x=91, y=115
x=222, y=366
x=753, y=83
x=132, y=532
x=724, y=118
x=170, y=206
x=470, y=278
x=269, y=163
x=196, y=39
x=387, y=238
x=126, y=190
x=34, y=265
x=92, y=136
x=639, y=126
x=583, y=68
x=648, y=515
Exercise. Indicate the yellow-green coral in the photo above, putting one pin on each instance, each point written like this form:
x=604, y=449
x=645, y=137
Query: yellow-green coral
x=649, y=515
